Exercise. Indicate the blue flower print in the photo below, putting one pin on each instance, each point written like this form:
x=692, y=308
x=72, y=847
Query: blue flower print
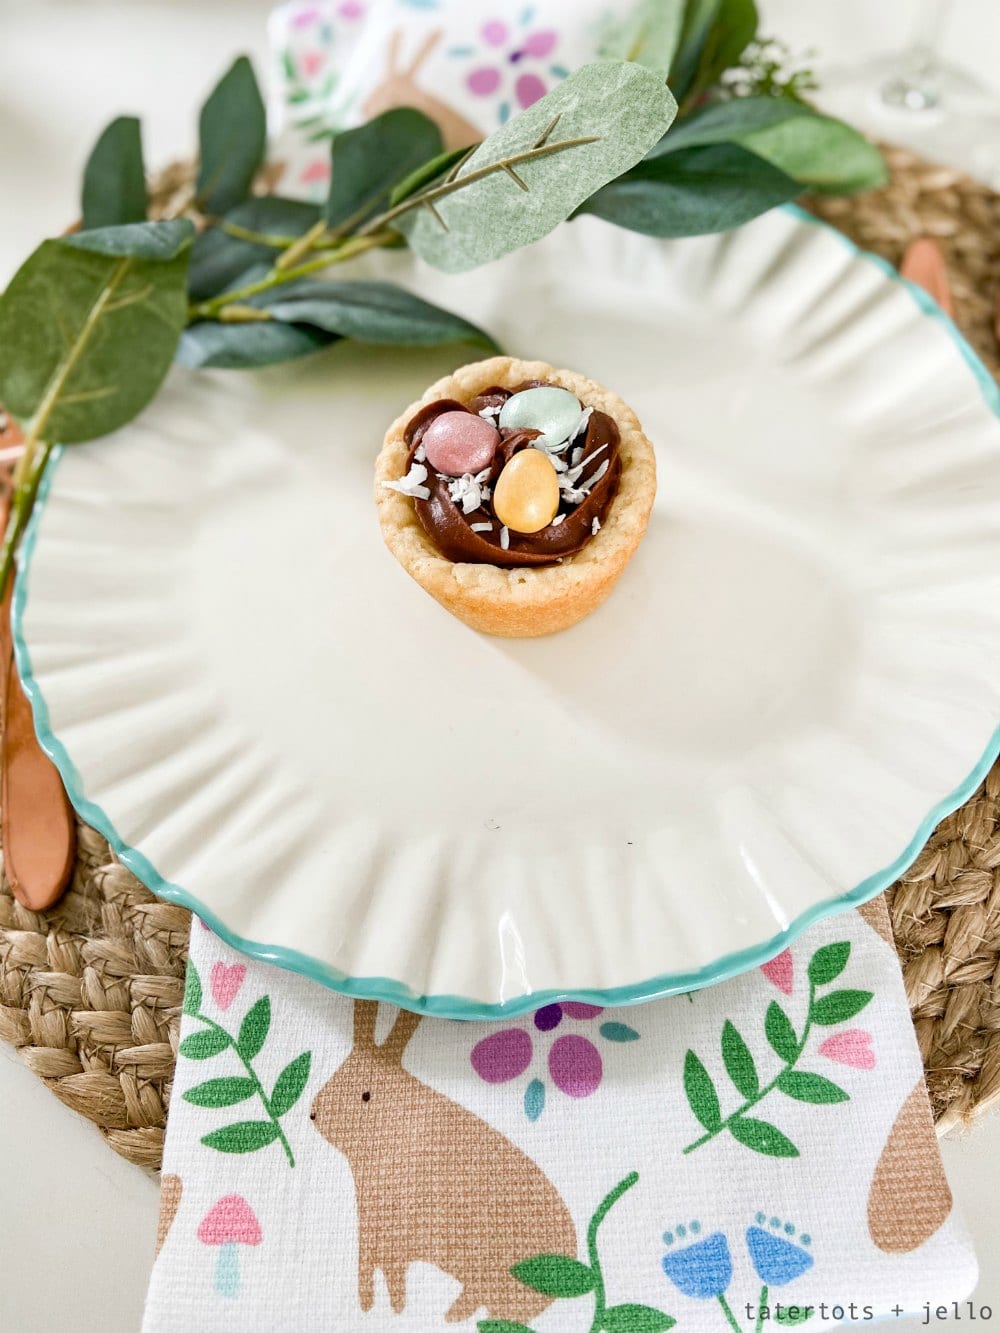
x=777, y=1258
x=702, y=1269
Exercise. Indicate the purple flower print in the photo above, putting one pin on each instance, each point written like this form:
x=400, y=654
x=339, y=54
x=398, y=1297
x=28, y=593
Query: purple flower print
x=514, y=61
x=574, y=1062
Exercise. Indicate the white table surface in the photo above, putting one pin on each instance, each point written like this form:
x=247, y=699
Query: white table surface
x=76, y=1222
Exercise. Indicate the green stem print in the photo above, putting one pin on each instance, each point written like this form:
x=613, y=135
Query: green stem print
x=211, y=1040
x=560, y=1275
x=761, y=1136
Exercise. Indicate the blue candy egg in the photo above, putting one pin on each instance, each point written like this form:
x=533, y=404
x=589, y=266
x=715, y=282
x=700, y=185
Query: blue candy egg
x=553, y=411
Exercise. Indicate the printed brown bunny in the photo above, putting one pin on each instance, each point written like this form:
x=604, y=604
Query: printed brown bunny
x=400, y=88
x=434, y=1183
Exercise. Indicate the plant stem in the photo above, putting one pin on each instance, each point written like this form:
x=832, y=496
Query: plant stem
x=604, y=1207
x=428, y=198
x=27, y=481
x=300, y=248
x=768, y=1087
x=730, y=1317
x=354, y=245
x=761, y=1302
x=256, y=237
x=210, y=1022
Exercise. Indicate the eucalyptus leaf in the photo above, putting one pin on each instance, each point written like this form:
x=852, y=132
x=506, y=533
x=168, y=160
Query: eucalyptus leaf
x=699, y=16
x=114, y=179
x=370, y=160
x=212, y=345
x=427, y=172
x=219, y=258
x=732, y=31
x=375, y=312
x=74, y=315
x=693, y=192
x=728, y=122
x=487, y=212
x=823, y=153
x=649, y=35
x=232, y=135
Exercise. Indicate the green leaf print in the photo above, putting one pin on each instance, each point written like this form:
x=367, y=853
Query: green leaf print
x=805, y=1087
x=827, y=963
x=192, y=991
x=555, y=1275
x=739, y=1062
x=636, y=1319
x=254, y=1029
x=212, y=1039
x=839, y=1006
x=701, y=1094
x=245, y=1136
x=779, y=1032
x=502, y=1326
x=762, y=1137
x=221, y=1092
x=618, y=1032
x=825, y=966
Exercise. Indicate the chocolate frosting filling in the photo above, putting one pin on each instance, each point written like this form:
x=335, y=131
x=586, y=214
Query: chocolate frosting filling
x=450, y=528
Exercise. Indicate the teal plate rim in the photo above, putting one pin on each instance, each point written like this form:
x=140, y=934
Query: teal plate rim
x=459, y=1006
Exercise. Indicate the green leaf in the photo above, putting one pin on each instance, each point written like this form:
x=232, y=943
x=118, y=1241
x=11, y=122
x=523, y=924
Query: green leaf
x=618, y=1032
x=232, y=134
x=218, y=259
x=821, y=152
x=158, y=242
x=427, y=172
x=203, y=1045
x=827, y=963
x=254, y=1028
x=244, y=346
x=701, y=1094
x=648, y=35
x=839, y=1006
x=714, y=36
x=375, y=312
x=221, y=1092
x=290, y=1083
x=793, y=1314
x=780, y=1033
x=805, y=1087
x=244, y=1136
x=501, y=1326
x=623, y=107
x=728, y=122
x=555, y=1275
x=114, y=179
x=693, y=192
x=636, y=1319
x=192, y=990
x=739, y=1062
x=370, y=160
x=766, y=1139
x=72, y=318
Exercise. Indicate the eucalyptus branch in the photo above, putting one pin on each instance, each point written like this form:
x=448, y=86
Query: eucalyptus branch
x=27, y=480
x=256, y=237
x=429, y=198
x=354, y=245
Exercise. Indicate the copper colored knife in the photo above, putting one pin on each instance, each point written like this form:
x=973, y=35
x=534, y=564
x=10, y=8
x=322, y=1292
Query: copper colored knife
x=39, y=832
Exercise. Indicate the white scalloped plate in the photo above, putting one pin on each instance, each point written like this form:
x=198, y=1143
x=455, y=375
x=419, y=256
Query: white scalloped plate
x=797, y=676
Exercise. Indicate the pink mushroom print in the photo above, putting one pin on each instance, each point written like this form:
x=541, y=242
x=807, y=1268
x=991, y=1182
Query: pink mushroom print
x=230, y=1222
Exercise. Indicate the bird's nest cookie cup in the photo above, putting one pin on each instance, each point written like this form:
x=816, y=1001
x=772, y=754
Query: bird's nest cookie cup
x=521, y=602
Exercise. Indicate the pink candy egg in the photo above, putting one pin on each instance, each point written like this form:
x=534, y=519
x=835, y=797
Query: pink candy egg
x=459, y=442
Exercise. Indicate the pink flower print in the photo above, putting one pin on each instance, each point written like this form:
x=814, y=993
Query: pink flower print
x=573, y=1061
x=304, y=18
x=312, y=62
x=226, y=981
x=318, y=170
x=852, y=1047
x=351, y=9
x=507, y=49
x=779, y=971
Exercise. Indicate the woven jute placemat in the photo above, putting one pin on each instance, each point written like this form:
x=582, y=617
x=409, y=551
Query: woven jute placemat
x=90, y=992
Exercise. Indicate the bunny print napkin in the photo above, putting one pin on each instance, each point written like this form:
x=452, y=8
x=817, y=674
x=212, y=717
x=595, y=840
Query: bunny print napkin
x=756, y=1154
x=467, y=65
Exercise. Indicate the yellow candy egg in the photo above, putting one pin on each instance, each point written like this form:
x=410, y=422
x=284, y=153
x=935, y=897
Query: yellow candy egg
x=526, y=496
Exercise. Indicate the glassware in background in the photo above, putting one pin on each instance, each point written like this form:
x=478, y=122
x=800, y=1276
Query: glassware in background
x=915, y=98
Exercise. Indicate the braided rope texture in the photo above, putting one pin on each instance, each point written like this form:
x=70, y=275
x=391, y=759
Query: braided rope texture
x=90, y=992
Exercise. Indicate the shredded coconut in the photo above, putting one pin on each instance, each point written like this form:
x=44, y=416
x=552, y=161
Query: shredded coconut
x=557, y=520
x=489, y=412
x=412, y=484
x=504, y=539
x=598, y=475
x=480, y=527
x=420, y=454
x=595, y=527
x=468, y=490
x=585, y=416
